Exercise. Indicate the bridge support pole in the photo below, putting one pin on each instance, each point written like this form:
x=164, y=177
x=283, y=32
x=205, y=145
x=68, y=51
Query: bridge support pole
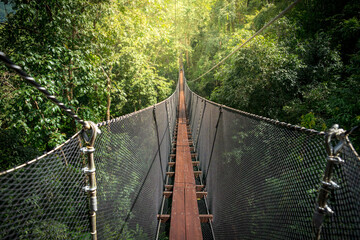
x=92, y=129
x=327, y=185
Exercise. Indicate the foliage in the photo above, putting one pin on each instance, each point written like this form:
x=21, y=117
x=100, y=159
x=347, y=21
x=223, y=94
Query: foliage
x=102, y=58
x=264, y=66
x=301, y=70
x=14, y=151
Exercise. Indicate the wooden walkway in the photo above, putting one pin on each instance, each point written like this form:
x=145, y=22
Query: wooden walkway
x=185, y=220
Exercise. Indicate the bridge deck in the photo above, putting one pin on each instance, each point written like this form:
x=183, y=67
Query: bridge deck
x=185, y=221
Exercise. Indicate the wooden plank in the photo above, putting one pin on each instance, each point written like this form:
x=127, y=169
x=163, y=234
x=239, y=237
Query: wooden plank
x=167, y=194
x=195, y=163
x=173, y=155
x=191, y=143
x=197, y=173
x=192, y=214
x=204, y=218
x=198, y=187
x=163, y=217
x=177, y=221
x=185, y=220
x=201, y=194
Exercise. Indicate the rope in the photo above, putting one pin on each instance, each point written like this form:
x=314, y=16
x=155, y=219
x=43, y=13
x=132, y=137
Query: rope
x=251, y=38
x=158, y=141
x=43, y=90
x=213, y=145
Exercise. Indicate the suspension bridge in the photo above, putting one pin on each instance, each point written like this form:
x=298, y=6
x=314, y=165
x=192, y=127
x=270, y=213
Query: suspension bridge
x=187, y=168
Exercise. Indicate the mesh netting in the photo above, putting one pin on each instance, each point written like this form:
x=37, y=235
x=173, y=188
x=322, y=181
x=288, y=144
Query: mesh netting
x=44, y=199
x=263, y=177
x=131, y=172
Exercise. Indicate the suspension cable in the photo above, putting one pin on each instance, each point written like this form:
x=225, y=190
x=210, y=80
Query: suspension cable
x=43, y=90
x=251, y=38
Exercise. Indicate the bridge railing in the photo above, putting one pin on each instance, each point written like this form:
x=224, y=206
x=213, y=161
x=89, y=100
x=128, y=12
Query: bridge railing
x=45, y=198
x=131, y=159
x=264, y=177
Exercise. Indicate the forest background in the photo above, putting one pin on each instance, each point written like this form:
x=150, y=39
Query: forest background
x=106, y=58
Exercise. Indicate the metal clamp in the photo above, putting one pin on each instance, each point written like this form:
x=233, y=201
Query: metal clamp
x=335, y=160
x=329, y=185
x=86, y=170
x=89, y=189
x=87, y=149
x=325, y=210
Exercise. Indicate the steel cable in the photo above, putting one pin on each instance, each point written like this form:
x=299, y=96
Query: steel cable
x=43, y=90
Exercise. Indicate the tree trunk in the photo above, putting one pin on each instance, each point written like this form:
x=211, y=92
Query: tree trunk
x=187, y=42
x=70, y=86
x=108, y=86
x=108, y=103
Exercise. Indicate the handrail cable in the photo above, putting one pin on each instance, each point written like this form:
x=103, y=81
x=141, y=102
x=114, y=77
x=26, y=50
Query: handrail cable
x=43, y=90
x=252, y=37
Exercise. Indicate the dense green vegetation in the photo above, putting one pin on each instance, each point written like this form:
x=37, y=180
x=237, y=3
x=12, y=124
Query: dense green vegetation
x=304, y=69
x=106, y=58
x=103, y=58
